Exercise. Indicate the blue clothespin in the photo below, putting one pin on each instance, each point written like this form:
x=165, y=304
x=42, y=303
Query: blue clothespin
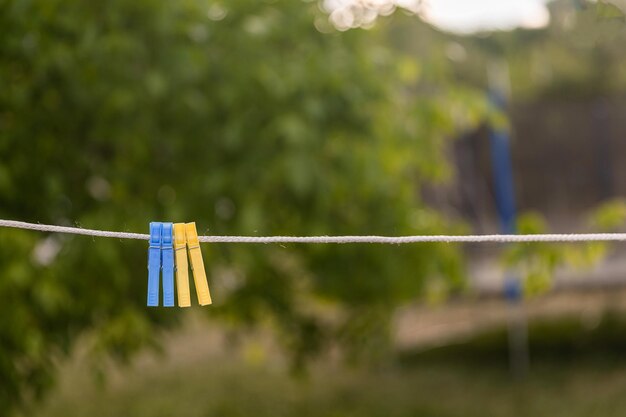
x=167, y=264
x=154, y=264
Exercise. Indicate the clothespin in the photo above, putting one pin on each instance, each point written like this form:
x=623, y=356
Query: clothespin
x=154, y=264
x=182, y=269
x=167, y=264
x=197, y=265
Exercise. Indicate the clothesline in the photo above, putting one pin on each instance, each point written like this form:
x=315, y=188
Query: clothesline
x=584, y=237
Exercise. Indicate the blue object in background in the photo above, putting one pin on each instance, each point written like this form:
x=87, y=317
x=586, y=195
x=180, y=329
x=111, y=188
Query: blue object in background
x=503, y=174
x=512, y=289
x=503, y=180
x=504, y=190
x=505, y=199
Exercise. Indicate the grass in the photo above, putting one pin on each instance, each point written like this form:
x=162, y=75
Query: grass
x=575, y=372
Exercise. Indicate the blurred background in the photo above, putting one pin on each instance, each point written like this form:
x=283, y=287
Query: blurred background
x=332, y=117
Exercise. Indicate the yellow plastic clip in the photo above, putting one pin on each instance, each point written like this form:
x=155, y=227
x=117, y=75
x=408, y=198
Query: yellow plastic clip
x=197, y=265
x=182, y=268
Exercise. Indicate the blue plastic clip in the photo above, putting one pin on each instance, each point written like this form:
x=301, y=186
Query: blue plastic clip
x=154, y=264
x=167, y=253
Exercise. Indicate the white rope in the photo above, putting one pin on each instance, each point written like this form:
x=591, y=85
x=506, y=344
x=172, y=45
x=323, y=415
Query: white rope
x=588, y=237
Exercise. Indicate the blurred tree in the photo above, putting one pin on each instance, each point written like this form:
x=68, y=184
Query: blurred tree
x=580, y=54
x=251, y=117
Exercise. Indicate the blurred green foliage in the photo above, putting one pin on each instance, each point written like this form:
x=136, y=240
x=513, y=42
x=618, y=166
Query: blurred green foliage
x=250, y=117
x=580, y=54
x=537, y=262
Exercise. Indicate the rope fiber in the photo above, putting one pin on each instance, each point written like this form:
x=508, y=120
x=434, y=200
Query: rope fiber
x=585, y=237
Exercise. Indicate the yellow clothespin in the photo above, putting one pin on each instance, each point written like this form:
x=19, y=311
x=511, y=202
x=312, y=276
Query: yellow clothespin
x=182, y=269
x=197, y=265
